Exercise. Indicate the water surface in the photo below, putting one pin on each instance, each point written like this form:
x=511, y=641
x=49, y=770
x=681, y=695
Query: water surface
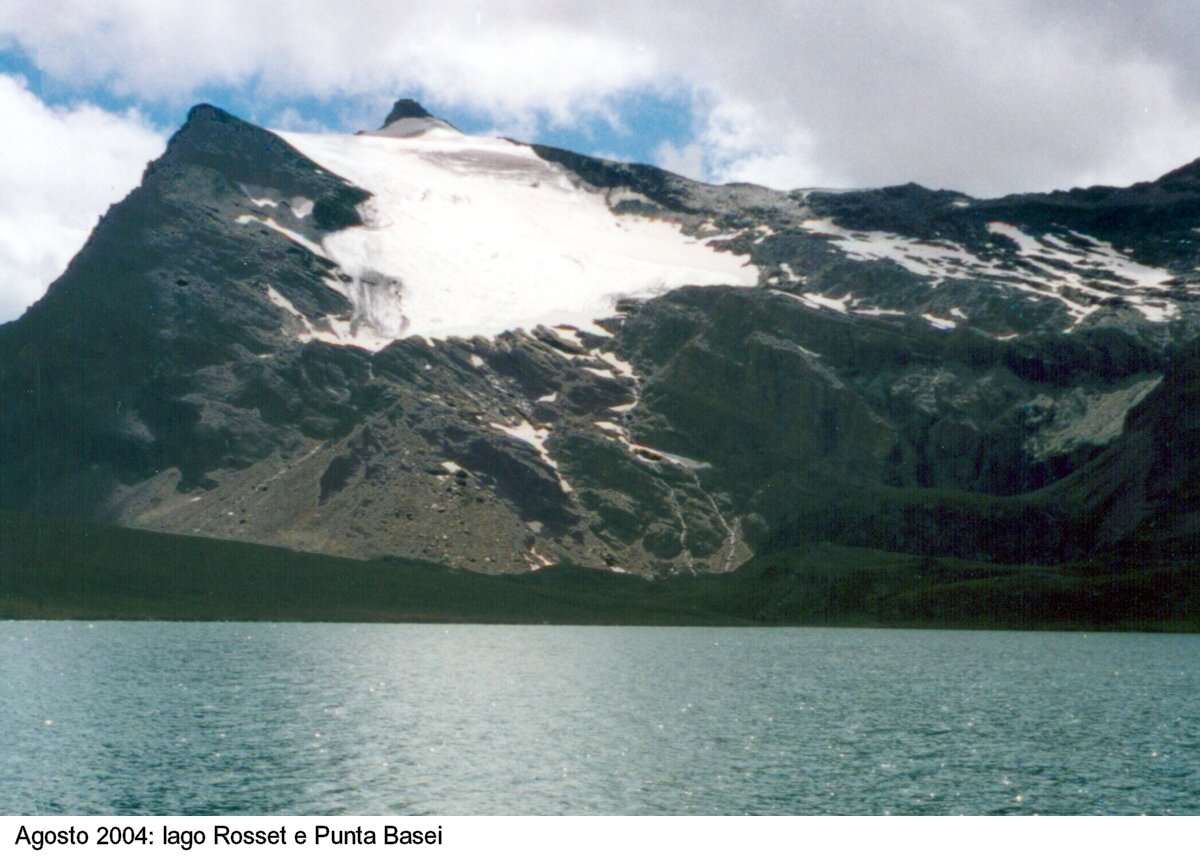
x=227, y=718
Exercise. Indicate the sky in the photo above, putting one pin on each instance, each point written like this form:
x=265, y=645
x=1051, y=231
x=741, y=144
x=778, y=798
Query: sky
x=986, y=97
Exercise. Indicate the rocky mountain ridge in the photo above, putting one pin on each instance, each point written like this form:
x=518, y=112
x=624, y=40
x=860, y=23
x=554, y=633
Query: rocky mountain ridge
x=904, y=369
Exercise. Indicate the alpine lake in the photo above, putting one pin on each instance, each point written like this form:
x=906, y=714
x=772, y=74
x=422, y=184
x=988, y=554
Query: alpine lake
x=285, y=718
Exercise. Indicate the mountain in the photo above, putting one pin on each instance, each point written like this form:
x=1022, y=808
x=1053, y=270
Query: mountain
x=495, y=356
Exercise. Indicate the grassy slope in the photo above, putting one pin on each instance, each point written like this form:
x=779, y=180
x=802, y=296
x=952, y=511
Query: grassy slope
x=56, y=569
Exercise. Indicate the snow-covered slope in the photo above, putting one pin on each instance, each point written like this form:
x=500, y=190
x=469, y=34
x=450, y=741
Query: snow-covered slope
x=467, y=236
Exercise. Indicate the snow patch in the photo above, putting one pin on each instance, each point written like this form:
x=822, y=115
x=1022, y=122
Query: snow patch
x=791, y=274
x=844, y=304
x=349, y=333
x=763, y=231
x=649, y=454
x=1085, y=252
x=939, y=323
x=645, y=453
x=568, y=335
x=621, y=366
x=1157, y=310
x=302, y=207
x=328, y=329
x=938, y=261
x=294, y=237
x=283, y=303
x=535, y=437
x=1067, y=268
x=542, y=561
x=1094, y=268
x=595, y=329
x=824, y=301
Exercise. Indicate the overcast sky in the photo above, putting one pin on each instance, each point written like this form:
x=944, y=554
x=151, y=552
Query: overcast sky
x=982, y=97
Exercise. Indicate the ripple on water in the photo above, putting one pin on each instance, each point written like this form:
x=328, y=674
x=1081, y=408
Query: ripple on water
x=175, y=718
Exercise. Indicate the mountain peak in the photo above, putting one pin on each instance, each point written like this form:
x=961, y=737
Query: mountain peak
x=405, y=108
x=205, y=111
x=408, y=118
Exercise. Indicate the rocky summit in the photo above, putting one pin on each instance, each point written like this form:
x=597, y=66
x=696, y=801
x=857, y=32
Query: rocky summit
x=418, y=343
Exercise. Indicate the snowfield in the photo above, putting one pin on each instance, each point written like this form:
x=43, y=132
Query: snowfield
x=467, y=236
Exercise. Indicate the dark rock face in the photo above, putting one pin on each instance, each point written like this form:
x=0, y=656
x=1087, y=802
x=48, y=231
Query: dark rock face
x=128, y=365
x=404, y=108
x=916, y=371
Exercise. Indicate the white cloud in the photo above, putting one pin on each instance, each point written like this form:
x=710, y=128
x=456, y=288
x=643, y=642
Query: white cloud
x=292, y=120
x=60, y=169
x=689, y=160
x=511, y=60
x=987, y=98
x=738, y=142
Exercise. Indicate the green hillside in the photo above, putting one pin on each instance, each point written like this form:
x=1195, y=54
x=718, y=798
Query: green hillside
x=63, y=569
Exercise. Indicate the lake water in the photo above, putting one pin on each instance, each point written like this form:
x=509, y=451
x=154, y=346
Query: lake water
x=228, y=718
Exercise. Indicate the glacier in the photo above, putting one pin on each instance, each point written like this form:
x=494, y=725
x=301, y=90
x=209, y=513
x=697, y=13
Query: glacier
x=469, y=236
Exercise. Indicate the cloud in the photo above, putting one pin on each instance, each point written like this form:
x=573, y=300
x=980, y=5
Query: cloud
x=60, y=169
x=512, y=60
x=736, y=142
x=986, y=98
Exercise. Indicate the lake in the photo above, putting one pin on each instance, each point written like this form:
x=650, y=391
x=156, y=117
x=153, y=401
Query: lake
x=236, y=718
